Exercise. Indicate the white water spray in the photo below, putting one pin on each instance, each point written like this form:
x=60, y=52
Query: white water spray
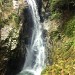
x=36, y=52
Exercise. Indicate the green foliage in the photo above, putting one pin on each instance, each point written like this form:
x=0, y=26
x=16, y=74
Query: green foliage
x=16, y=19
x=69, y=27
x=57, y=7
x=53, y=4
x=55, y=15
x=63, y=41
x=56, y=4
x=3, y=22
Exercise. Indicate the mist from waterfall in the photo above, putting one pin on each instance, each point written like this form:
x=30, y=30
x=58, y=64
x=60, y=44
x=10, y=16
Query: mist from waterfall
x=35, y=59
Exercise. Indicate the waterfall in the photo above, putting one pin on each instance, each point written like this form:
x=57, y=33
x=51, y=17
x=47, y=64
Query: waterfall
x=36, y=51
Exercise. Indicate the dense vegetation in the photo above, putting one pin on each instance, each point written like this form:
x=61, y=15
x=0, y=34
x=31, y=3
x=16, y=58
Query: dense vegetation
x=62, y=39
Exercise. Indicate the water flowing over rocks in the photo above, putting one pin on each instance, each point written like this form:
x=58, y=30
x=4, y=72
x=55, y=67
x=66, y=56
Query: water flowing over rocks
x=26, y=35
x=17, y=40
x=23, y=36
x=35, y=51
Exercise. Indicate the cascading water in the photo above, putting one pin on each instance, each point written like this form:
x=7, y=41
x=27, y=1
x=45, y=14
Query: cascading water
x=36, y=51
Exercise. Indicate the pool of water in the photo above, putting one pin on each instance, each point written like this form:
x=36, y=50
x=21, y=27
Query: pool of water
x=25, y=73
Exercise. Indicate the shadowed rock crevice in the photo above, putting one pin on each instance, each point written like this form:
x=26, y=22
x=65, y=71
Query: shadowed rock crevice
x=17, y=57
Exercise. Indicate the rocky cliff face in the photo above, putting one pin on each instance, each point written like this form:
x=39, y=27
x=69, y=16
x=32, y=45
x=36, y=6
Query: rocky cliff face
x=10, y=26
x=18, y=36
x=15, y=33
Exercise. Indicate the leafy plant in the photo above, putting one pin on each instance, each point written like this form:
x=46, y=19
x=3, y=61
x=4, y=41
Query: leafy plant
x=69, y=27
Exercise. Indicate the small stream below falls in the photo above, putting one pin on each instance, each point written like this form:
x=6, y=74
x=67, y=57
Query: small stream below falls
x=35, y=59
